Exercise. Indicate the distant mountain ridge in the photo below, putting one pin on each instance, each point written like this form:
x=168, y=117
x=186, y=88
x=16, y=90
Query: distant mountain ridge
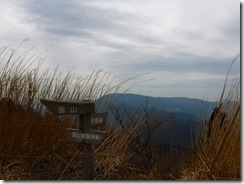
x=187, y=105
x=188, y=119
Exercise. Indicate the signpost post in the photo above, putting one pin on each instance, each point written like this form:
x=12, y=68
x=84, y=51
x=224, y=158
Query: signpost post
x=87, y=120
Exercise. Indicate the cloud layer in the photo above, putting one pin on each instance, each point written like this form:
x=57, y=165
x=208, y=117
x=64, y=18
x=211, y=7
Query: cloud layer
x=186, y=45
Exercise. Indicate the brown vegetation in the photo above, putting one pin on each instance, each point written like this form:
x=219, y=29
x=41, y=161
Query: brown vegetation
x=33, y=143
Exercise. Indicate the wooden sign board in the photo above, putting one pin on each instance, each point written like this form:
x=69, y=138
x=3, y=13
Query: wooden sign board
x=89, y=137
x=67, y=108
x=98, y=119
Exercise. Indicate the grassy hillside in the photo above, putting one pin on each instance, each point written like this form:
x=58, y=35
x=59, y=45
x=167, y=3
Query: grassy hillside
x=33, y=142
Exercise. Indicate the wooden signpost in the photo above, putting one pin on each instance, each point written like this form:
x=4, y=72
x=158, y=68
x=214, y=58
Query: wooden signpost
x=87, y=120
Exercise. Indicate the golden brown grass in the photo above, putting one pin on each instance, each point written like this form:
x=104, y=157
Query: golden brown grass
x=218, y=157
x=33, y=143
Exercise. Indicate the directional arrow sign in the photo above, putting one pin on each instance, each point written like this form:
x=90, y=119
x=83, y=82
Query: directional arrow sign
x=66, y=108
x=99, y=119
x=90, y=137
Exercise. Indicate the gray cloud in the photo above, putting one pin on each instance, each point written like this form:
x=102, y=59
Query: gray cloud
x=166, y=38
x=59, y=17
x=233, y=29
x=65, y=18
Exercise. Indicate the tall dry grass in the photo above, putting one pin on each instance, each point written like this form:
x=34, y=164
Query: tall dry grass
x=218, y=157
x=33, y=143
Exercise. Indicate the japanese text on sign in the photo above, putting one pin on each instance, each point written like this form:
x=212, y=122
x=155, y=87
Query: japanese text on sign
x=61, y=109
x=73, y=109
x=96, y=121
x=85, y=136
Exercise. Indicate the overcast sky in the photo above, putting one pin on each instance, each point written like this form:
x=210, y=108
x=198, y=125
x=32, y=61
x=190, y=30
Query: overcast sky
x=186, y=46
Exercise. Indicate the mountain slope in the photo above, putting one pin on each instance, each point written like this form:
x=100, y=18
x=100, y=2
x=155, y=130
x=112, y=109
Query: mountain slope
x=182, y=104
x=180, y=130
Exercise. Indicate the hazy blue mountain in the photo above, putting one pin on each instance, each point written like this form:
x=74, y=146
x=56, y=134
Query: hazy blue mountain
x=180, y=130
x=192, y=106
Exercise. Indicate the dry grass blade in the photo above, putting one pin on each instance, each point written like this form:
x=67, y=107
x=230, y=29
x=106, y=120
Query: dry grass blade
x=218, y=156
x=221, y=146
x=33, y=143
x=27, y=130
x=69, y=163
